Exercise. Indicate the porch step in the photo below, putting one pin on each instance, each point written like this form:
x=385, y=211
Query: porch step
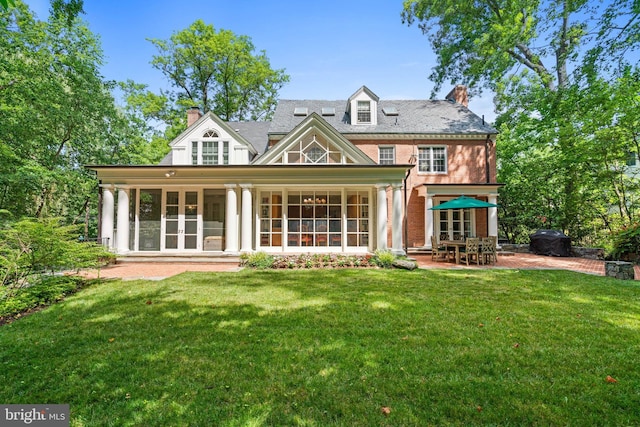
x=418, y=251
x=200, y=257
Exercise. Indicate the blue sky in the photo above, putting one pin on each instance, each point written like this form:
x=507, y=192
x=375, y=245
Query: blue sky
x=329, y=48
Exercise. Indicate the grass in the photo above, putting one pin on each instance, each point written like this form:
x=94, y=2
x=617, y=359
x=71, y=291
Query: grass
x=335, y=347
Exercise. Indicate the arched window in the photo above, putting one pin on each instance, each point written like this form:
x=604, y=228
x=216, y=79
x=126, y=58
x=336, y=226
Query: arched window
x=210, y=150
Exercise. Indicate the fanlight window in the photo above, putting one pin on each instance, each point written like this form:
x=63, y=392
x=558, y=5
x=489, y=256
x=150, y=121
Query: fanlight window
x=210, y=134
x=315, y=150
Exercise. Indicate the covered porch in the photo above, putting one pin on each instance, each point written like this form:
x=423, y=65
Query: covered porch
x=449, y=224
x=148, y=210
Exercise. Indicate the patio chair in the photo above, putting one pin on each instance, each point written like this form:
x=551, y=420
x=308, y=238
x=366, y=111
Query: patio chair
x=437, y=250
x=489, y=251
x=471, y=250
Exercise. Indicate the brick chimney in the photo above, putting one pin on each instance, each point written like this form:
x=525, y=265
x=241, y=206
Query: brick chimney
x=458, y=94
x=193, y=114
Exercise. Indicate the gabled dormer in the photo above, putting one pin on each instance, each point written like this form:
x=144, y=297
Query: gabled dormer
x=211, y=141
x=314, y=142
x=362, y=107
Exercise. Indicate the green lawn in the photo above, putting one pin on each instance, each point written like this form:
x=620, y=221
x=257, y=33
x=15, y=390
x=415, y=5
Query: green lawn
x=335, y=347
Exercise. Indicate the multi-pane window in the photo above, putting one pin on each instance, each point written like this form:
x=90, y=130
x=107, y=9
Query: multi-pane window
x=364, y=112
x=386, y=155
x=358, y=218
x=432, y=159
x=314, y=149
x=314, y=218
x=225, y=152
x=271, y=218
x=194, y=152
x=209, y=152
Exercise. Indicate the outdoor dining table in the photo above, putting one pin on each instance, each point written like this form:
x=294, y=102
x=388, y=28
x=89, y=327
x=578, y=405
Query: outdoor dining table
x=456, y=245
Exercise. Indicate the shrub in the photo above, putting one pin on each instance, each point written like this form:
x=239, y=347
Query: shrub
x=29, y=248
x=47, y=290
x=260, y=260
x=626, y=244
x=384, y=258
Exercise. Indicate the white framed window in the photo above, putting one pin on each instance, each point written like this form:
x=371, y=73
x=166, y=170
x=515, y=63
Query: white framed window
x=314, y=149
x=364, y=112
x=386, y=155
x=225, y=152
x=194, y=152
x=210, y=150
x=432, y=159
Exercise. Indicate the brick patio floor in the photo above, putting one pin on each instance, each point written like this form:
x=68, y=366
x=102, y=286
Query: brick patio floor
x=529, y=261
x=160, y=270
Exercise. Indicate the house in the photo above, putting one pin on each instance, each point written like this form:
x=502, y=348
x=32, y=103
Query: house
x=348, y=176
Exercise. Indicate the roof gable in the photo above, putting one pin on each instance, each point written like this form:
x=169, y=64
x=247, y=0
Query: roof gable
x=314, y=141
x=203, y=123
x=364, y=90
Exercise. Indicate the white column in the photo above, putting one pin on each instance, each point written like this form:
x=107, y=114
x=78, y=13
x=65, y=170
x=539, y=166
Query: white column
x=123, y=221
x=246, y=232
x=396, y=220
x=382, y=216
x=231, y=220
x=493, y=216
x=428, y=220
x=108, y=207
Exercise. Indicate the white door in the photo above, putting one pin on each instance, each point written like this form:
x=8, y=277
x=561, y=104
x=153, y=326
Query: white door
x=454, y=223
x=181, y=220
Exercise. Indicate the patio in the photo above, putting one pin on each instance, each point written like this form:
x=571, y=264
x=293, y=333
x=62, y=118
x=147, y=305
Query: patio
x=161, y=270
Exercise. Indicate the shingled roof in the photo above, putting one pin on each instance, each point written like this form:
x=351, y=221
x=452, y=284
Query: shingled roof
x=413, y=117
x=254, y=132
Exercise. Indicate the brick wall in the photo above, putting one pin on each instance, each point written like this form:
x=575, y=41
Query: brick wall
x=466, y=163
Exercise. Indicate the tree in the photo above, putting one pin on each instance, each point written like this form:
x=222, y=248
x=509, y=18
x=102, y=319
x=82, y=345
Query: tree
x=547, y=62
x=6, y=4
x=57, y=114
x=219, y=71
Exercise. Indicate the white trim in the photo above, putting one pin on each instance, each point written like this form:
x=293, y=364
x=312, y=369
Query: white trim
x=122, y=218
x=108, y=211
x=352, y=136
x=314, y=124
x=428, y=220
x=246, y=212
x=231, y=219
x=381, y=223
x=396, y=220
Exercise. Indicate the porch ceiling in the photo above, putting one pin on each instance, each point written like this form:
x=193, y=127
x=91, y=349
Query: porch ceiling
x=458, y=189
x=256, y=175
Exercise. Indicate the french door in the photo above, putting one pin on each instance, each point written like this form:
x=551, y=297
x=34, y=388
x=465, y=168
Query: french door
x=181, y=223
x=454, y=223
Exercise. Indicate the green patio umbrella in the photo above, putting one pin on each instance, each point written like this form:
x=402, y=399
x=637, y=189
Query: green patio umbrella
x=464, y=202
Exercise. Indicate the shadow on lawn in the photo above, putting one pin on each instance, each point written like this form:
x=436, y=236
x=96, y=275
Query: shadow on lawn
x=328, y=348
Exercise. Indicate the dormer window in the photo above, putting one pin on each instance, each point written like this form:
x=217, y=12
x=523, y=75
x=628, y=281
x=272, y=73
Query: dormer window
x=364, y=112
